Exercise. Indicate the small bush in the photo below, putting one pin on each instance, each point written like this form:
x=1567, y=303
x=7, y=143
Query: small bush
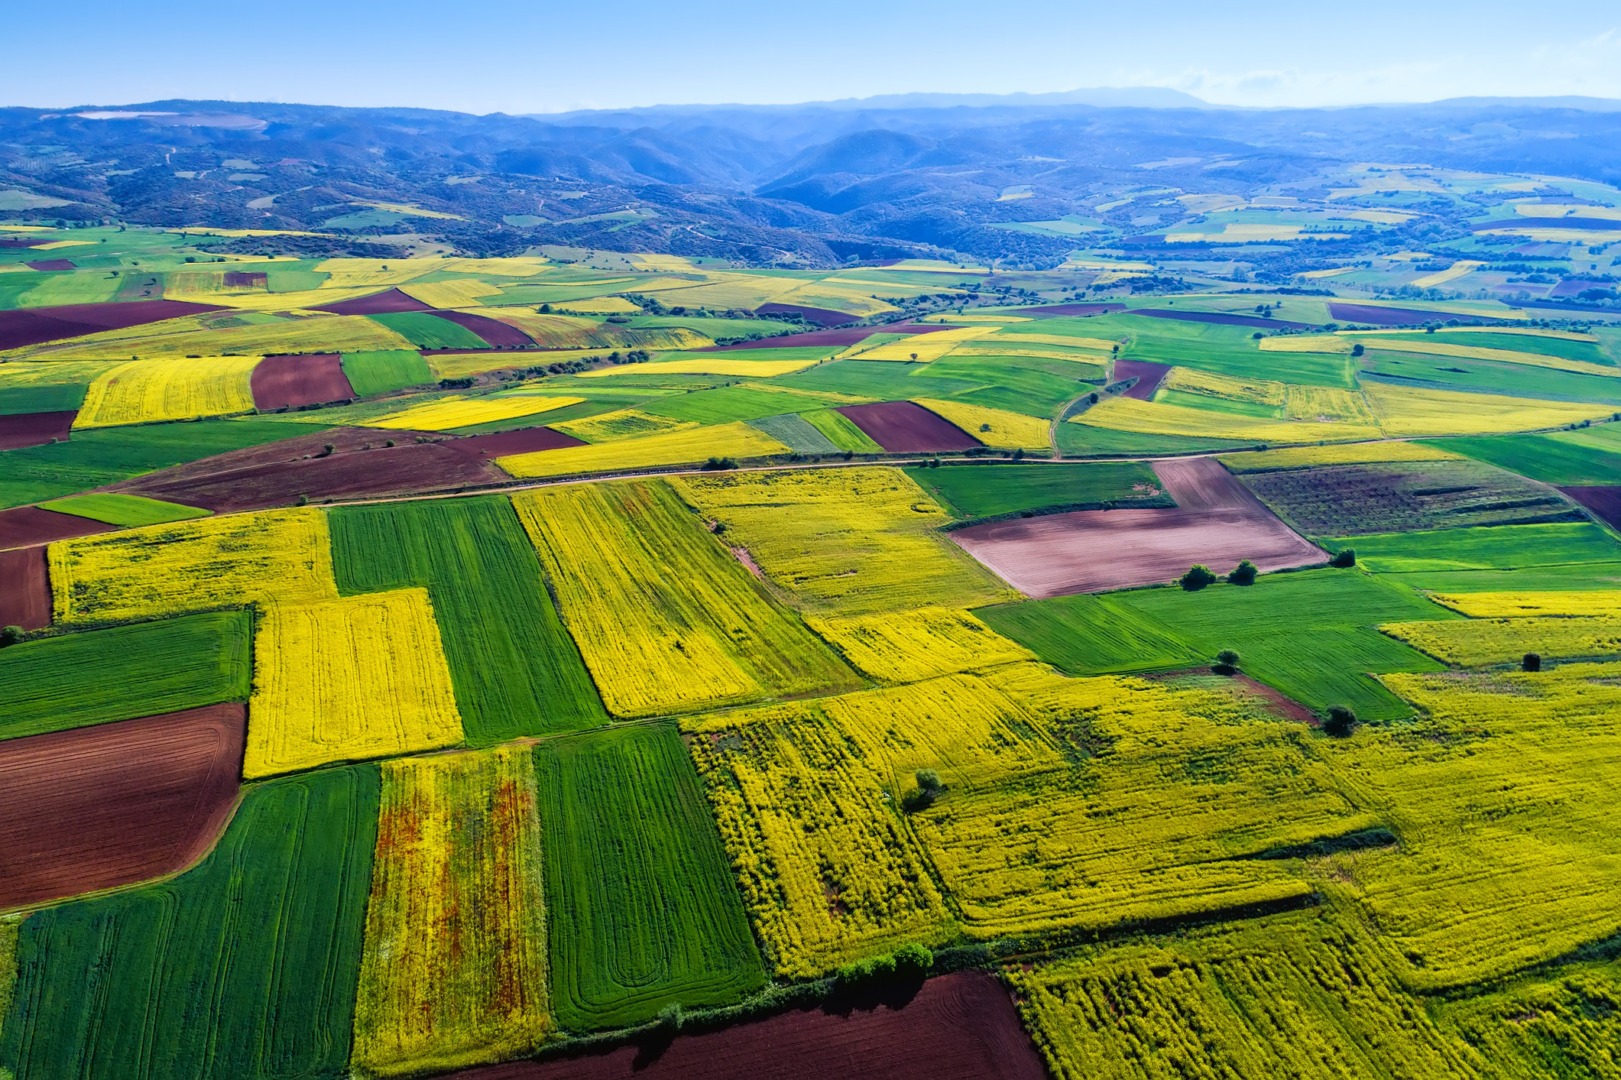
x=928, y=791
x=1343, y=559
x=1529, y=662
x=1197, y=577
x=718, y=463
x=1243, y=574
x=11, y=635
x=1340, y=722
x=1227, y=662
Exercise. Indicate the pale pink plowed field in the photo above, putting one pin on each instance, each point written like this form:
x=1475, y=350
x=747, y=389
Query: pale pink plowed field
x=1216, y=522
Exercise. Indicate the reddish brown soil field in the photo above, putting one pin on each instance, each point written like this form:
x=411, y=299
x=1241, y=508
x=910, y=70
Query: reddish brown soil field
x=361, y=463
x=1383, y=316
x=51, y=264
x=383, y=303
x=25, y=526
x=246, y=279
x=497, y=334
x=25, y=588
x=286, y=382
x=522, y=441
x=1148, y=375
x=1604, y=502
x=34, y=429
x=36, y=326
x=1220, y=318
x=819, y=316
x=840, y=338
x=957, y=1027
x=8, y=242
x=901, y=427
x=115, y=803
x=1073, y=309
x=1216, y=522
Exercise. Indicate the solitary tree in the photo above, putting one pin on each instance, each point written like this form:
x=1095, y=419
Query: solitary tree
x=1343, y=559
x=1358, y=349
x=1529, y=662
x=1341, y=721
x=10, y=635
x=1243, y=574
x=1197, y=577
x=1227, y=662
x=929, y=788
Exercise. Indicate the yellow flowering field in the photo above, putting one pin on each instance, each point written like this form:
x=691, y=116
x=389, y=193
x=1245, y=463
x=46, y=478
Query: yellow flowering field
x=622, y=424
x=722, y=364
x=1417, y=412
x=1516, y=604
x=1479, y=642
x=456, y=293
x=348, y=679
x=665, y=618
x=1157, y=418
x=192, y=565
x=460, y=411
x=1305, y=457
x=930, y=346
x=845, y=541
x=1326, y=403
x=1193, y=381
x=1501, y=794
x=148, y=391
x=689, y=446
x=454, y=967
x=181, y=338
x=994, y=427
x=908, y=646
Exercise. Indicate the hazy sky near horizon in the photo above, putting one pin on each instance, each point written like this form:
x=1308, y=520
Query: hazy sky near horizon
x=547, y=56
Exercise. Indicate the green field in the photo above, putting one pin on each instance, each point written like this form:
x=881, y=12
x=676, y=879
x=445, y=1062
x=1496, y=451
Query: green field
x=1084, y=440
x=98, y=457
x=839, y=430
x=43, y=397
x=515, y=669
x=428, y=331
x=796, y=433
x=877, y=380
x=384, y=372
x=128, y=511
x=1309, y=634
x=245, y=966
x=1564, y=457
x=1499, y=547
x=1023, y=384
x=1490, y=377
x=727, y=403
x=972, y=492
x=142, y=669
x=643, y=908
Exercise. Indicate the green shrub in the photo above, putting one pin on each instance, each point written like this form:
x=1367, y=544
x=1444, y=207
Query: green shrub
x=1243, y=574
x=1197, y=578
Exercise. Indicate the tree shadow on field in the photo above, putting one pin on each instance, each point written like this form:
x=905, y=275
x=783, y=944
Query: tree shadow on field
x=894, y=991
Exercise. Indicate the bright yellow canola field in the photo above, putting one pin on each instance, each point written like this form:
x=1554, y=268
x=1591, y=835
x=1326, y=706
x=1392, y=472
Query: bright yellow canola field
x=1303, y=994
x=994, y=427
x=1070, y=804
x=193, y=565
x=720, y=365
x=1501, y=792
x=454, y=968
x=909, y=646
x=147, y=391
x=845, y=541
x=1412, y=412
x=451, y=294
x=458, y=411
x=836, y=294
x=348, y=679
x=1302, y=457
x=180, y=338
x=1211, y=384
x=1461, y=268
x=1479, y=642
x=622, y=424
x=685, y=447
x=1532, y=603
x=1155, y=418
x=1326, y=403
x=665, y=618
x=924, y=347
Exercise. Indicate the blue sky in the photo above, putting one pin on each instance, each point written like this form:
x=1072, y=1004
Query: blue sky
x=544, y=55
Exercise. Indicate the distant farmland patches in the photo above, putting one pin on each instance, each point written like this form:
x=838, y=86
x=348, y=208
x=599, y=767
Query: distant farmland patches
x=98, y=807
x=35, y=326
x=1216, y=521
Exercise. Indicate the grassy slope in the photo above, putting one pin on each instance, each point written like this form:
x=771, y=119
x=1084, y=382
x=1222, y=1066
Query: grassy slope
x=142, y=669
x=644, y=912
x=244, y=966
x=516, y=670
x=128, y=511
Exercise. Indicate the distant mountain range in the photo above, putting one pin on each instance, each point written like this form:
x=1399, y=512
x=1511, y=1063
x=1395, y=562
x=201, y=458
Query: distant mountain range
x=811, y=184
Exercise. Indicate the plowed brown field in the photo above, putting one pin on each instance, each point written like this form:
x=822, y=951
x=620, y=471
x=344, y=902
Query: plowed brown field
x=34, y=429
x=115, y=803
x=496, y=334
x=902, y=427
x=1216, y=522
x=1604, y=502
x=36, y=326
x=25, y=526
x=522, y=441
x=386, y=302
x=25, y=588
x=288, y=382
x=958, y=1027
x=1148, y=375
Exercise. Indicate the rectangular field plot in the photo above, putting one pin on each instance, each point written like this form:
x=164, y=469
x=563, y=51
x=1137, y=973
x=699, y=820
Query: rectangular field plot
x=454, y=968
x=344, y=680
x=984, y=491
x=844, y=541
x=906, y=646
x=643, y=910
x=515, y=669
x=123, y=510
x=146, y=391
x=1500, y=547
x=372, y=373
x=210, y=562
x=1290, y=995
x=133, y=984
x=124, y=672
x=666, y=619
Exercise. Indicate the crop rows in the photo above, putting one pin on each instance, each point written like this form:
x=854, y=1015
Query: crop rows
x=907, y=646
x=683, y=447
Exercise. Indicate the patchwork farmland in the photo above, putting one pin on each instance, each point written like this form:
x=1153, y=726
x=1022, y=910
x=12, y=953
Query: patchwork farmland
x=479, y=667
